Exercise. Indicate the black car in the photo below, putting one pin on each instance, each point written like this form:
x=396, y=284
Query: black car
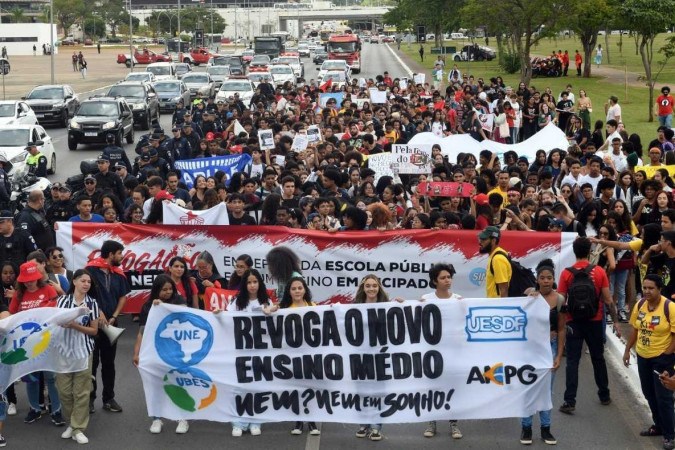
x=236, y=63
x=142, y=99
x=99, y=116
x=320, y=56
x=53, y=103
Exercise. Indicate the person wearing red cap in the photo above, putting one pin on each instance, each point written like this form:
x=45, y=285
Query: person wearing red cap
x=32, y=292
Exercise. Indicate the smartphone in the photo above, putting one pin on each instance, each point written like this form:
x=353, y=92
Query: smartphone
x=658, y=374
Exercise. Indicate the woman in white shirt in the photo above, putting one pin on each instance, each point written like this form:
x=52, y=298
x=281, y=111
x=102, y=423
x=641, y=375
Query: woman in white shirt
x=440, y=277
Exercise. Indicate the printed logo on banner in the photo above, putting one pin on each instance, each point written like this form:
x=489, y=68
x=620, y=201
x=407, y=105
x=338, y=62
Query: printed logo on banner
x=496, y=324
x=191, y=218
x=477, y=276
x=27, y=341
x=500, y=374
x=183, y=340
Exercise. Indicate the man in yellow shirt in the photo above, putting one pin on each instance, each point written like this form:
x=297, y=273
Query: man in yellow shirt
x=498, y=271
x=502, y=187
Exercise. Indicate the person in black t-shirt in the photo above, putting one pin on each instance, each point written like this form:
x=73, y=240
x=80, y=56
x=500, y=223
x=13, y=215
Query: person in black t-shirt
x=663, y=263
x=237, y=214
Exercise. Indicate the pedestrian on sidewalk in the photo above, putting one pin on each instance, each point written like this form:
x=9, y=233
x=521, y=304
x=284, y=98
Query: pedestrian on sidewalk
x=74, y=60
x=421, y=51
x=598, y=55
x=98, y=47
x=34, y=50
x=83, y=68
x=578, y=60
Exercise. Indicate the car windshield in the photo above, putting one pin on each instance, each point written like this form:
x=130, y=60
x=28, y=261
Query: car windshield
x=139, y=76
x=46, y=94
x=219, y=70
x=167, y=87
x=182, y=69
x=288, y=61
x=330, y=65
x=196, y=78
x=7, y=110
x=258, y=77
x=159, y=70
x=127, y=91
x=342, y=47
x=260, y=60
x=14, y=138
x=335, y=76
x=248, y=53
x=240, y=87
x=98, y=109
x=281, y=70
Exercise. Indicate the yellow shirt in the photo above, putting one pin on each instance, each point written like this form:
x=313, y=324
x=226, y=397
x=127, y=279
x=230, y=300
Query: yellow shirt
x=654, y=331
x=635, y=245
x=504, y=195
x=502, y=272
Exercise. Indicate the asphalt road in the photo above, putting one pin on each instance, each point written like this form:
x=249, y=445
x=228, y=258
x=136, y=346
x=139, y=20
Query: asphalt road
x=592, y=427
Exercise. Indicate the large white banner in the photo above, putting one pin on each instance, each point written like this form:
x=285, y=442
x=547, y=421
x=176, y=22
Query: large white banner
x=33, y=340
x=374, y=363
x=175, y=215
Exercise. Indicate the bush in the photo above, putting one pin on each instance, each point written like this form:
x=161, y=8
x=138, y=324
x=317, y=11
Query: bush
x=510, y=62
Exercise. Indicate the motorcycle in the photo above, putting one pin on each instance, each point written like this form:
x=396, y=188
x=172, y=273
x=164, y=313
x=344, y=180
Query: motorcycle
x=23, y=183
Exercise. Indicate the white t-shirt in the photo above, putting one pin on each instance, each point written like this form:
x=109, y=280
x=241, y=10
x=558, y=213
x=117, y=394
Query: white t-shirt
x=569, y=179
x=613, y=112
x=589, y=179
x=253, y=306
x=256, y=170
x=432, y=296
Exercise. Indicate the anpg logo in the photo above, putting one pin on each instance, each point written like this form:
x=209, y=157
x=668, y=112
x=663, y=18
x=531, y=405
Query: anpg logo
x=26, y=341
x=496, y=323
x=501, y=375
x=183, y=340
x=477, y=276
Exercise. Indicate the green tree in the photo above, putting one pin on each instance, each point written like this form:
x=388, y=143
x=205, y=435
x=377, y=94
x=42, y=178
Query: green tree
x=68, y=12
x=94, y=27
x=438, y=16
x=648, y=18
x=115, y=14
x=17, y=15
x=587, y=18
x=167, y=22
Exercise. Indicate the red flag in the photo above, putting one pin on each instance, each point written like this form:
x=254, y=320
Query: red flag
x=324, y=87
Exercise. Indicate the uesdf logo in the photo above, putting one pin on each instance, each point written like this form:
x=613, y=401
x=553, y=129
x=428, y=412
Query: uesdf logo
x=501, y=374
x=477, y=276
x=496, y=323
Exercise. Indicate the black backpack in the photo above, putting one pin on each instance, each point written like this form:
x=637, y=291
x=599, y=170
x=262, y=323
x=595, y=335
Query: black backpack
x=582, y=300
x=522, y=278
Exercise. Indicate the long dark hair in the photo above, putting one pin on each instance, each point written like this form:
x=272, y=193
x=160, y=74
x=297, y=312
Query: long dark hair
x=157, y=286
x=235, y=280
x=185, y=278
x=287, y=301
x=282, y=262
x=78, y=273
x=243, y=296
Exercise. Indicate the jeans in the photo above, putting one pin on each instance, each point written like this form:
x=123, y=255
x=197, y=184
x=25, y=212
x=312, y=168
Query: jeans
x=3, y=408
x=592, y=333
x=33, y=392
x=659, y=398
x=105, y=353
x=245, y=425
x=666, y=121
x=544, y=416
x=617, y=284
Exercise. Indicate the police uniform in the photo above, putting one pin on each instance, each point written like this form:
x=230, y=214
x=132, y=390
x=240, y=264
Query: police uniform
x=60, y=211
x=35, y=223
x=111, y=182
x=117, y=154
x=18, y=245
x=5, y=185
x=37, y=164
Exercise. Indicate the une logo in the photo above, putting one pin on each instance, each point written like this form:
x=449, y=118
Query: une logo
x=477, y=276
x=498, y=323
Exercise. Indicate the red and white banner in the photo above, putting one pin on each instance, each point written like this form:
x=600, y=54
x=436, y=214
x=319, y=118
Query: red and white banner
x=333, y=264
x=175, y=215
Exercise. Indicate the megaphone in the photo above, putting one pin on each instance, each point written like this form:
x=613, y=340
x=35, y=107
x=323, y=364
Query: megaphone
x=113, y=333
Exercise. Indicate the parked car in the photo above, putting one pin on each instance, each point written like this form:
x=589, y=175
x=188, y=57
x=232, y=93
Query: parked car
x=99, y=116
x=247, y=55
x=53, y=103
x=14, y=112
x=182, y=69
x=282, y=73
x=13, y=140
x=162, y=71
x=259, y=61
x=142, y=57
x=200, y=84
x=239, y=85
x=141, y=98
x=218, y=74
x=320, y=55
x=148, y=77
x=170, y=92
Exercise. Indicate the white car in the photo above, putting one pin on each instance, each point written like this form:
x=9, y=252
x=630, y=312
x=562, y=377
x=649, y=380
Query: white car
x=13, y=140
x=339, y=78
x=295, y=63
x=258, y=77
x=200, y=84
x=241, y=86
x=14, y=112
x=162, y=70
x=334, y=64
x=218, y=74
x=148, y=77
x=304, y=50
x=282, y=73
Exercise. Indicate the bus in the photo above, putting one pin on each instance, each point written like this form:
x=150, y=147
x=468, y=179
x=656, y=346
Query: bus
x=292, y=6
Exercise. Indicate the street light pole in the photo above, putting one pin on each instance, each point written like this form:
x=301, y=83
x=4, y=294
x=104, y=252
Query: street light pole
x=51, y=38
x=131, y=41
x=179, y=24
x=212, y=22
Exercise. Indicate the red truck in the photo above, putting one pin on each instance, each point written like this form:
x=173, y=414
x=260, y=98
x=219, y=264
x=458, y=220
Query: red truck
x=346, y=47
x=196, y=56
x=144, y=56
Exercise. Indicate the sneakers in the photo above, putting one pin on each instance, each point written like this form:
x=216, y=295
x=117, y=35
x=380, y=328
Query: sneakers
x=623, y=318
x=431, y=429
x=112, y=406
x=375, y=435
x=11, y=409
x=668, y=444
x=608, y=319
x=3, y=441
x=237, y=432
x=362, y=432
x=455, y=432
x=32, y=416
x=92, y=408
x=651, y=431
x=606, y=402
x=297, y=429
x=255, y=430
x=526, y=436
x=57, y=419
x=80, y=438
x=182, y=427
x=547, y=436
x=67, y=434
x=156, y=426
x=566, y=408
x=313, y=430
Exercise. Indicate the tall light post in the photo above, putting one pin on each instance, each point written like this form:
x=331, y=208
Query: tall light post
x=178, y=24
x=211, y=22
x=51, y=38
x=131, y=41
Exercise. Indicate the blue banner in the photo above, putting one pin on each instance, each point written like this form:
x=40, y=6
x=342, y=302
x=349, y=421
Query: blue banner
x=208, y=167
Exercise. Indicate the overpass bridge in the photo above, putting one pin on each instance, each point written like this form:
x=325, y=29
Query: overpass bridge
x=353, y=13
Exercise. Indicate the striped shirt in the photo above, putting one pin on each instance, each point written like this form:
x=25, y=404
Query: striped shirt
x=76, y=344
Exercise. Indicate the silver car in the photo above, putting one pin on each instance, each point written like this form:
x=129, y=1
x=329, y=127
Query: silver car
x=200, y=84
x=170, y=92
x=219, y=74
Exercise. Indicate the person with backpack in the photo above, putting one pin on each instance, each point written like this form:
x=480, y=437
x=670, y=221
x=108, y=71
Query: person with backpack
x=653, y=322
x=586, y=288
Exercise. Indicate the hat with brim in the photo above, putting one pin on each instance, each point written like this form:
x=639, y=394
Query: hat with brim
x=29, y=272
x=489, y=233
x=6, y=214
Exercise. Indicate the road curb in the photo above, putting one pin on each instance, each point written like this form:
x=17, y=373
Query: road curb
x=616, y=346
x=400, y=61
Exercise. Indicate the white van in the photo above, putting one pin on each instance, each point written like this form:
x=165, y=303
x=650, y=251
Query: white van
x=457, y=36
x=162, y=70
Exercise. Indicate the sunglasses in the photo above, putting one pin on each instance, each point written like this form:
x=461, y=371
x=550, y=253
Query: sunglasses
x=90, y=182
x=117, y=169
x=57, y=256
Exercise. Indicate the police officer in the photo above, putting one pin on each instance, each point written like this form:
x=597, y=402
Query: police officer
x=36, y=161
x=5, y=185
x=191, y=137
x=179, y=114
x=178, y=148
x=63, y=208
x=107, y=180
x=15, y=243
x=115, y=153
x=33, y=220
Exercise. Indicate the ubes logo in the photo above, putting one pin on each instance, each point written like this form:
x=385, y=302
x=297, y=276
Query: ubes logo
x=477, y=276
x=27, y=341
x=498, y=323
x=500, y=374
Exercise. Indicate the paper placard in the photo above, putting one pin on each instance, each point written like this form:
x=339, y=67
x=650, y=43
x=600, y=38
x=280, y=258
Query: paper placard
x=403, y=84
x=323, y=98
x=381, y=164
x=487, y=121
x=300, y=142
x=314, y=134
x=280, y=159
x=419, y=78
x=360, y=102
x=413, y=159
x=377, y=96
x=266, y=139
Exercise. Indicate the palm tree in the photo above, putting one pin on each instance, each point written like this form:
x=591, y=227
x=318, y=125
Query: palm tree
x=17, y=15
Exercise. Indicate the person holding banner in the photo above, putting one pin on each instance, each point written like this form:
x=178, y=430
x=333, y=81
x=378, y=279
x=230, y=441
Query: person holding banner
x=180, y=275
x=79, y=341
x=163, y=291
x=440, y=278
x=546, y=288
x=206, y=275
x=283, y=265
